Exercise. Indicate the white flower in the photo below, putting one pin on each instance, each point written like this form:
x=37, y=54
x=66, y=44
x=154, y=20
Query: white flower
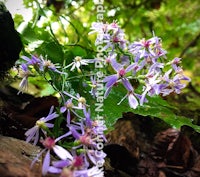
x=78, y=62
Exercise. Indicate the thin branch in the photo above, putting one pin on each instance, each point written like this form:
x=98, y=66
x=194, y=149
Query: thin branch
x=83, y=47
x=191, y=44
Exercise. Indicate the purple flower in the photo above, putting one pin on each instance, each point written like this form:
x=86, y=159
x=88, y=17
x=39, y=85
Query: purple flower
x=148, y=51
x=75, y=168
x=77, y=162
x=47, y=64
x=156, y=47
x=83, y=133
x=86, y=134
x=174, y=84
x=151, y=86
x=50, y=144
x=102, y=31
x=109, y=34
x=132, y=96
x=113, y=79
x=156, y=67
x=24, y=82
x=83, y=138
x=33, y=133
x=110, y=58
x=32, y=61
x=119, y=77
x=68, y=105
x=175, y=62
x=98, y=28
x=81, y=100
x=41, y=64
x=132, y=100
x=140, y=48
x=116, y=36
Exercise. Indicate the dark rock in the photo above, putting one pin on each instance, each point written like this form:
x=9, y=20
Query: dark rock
x=10, y=41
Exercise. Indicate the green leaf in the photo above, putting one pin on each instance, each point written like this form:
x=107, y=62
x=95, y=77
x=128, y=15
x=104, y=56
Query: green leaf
x=78, y=51
x=29, y=35
x=52, y=50
x=18, y=19
x=156, y=107
x=42, y=87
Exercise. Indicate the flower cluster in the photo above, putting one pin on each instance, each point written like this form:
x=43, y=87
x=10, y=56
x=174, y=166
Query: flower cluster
x=76, y=147
x=42, y=66
x=111, y=34
x=83, y=158
x=143, y=61
x=37, y=63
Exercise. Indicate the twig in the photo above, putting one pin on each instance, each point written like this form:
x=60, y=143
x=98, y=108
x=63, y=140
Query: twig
x=191, y=44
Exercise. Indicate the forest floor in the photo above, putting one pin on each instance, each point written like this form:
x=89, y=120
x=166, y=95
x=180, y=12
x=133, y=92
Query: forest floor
x=137, y=146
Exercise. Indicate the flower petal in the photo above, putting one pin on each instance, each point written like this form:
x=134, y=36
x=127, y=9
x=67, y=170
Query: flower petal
x=107, y=92
x=51, y=116
x=50, y=125
x=132, y=101
x=127, y=84
x=46, y=163
x=36, y=138
x=62, y=153
x=63, y=109
x=54, y=170
x=111, y=80
x=61, y=163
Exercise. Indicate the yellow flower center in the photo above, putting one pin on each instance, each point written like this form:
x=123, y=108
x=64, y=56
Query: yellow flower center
x=78, y=59
x=48, y=63
x=69, y=105
x=40, y=123
x=82, y=100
